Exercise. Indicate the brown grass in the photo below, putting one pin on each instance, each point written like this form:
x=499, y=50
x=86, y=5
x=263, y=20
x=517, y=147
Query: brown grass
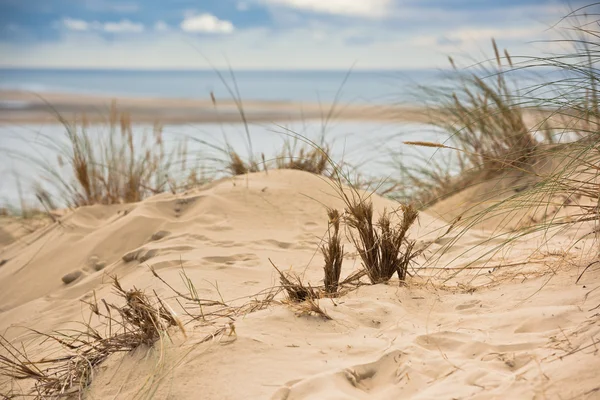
x=142, y=320
x=304, y=299
x=383, y=246
x=562, y=179
x=483, y=117
x=333, y=252
x=491, y=133
x=114, y=166
x=237, y=166
x=314, y=159
x=296, y=290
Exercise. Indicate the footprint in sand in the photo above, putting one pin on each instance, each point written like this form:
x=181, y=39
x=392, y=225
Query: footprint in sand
x=144, y=254
x=468, y=305
x=248, y=259
x=182, y=204
x=160, y=235
x=94, y=264
x=141, y=255
x=375, y=380
x=310, y=226
x=277, y=243
x=72, y=277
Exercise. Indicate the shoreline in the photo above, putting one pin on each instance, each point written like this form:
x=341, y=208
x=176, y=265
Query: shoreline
x=27, y=107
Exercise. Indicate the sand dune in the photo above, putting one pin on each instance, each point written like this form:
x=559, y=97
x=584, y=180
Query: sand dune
x=522, y=329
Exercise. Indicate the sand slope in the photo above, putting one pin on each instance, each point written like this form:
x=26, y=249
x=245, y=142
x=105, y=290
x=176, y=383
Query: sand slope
x=518, y=331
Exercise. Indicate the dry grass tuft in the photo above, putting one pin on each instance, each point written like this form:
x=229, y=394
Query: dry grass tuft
x=143, y=320
x=110, y=164
x=302, y=298
x=311, y=307
x=237, y=166
x=333, y=253
x=296, y=290
x=552, y=180
x=491, y=132
x=314, y=160
x=482, y=116
x=382, y=246
x=147, y=319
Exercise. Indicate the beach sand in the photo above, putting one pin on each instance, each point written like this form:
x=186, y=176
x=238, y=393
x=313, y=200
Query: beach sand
x=26, y=107
x=515, y=325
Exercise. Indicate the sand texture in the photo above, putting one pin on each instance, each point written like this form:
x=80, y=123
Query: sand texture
x=515, y=325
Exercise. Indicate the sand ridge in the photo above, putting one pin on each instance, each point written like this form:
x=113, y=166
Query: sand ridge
x=530, y=337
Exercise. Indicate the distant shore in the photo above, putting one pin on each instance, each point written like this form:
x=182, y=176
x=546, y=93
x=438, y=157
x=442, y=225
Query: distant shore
x=26, y=107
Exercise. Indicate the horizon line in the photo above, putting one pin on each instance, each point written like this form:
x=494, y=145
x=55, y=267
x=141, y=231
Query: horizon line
x=209, y=69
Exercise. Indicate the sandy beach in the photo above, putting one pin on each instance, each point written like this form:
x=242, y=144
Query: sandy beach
x=513, y=324
x=18, y=107
x=299, y=200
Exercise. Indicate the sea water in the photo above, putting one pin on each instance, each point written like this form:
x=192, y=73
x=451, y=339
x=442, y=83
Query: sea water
x=369, y=146
x=369, y=149
x=306, y=86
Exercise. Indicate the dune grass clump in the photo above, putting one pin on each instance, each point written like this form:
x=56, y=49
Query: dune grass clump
x=553, y=180
x=236, y=165
x=383, y=245
x=486, y=118
x=314, y=159
x=295, y=289
x=142, y=320
x=333, y=252
x=110, y=164
x=304, y=299
x=572, y=187
x=482, y=115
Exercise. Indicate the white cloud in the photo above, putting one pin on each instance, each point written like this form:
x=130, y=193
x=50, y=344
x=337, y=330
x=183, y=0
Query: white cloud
x=488, y=33
x=161, y=26
x=474, y=40
x=206, y=23
x=360, y=8
x=75, y=24
x=248, y=49
x=123, y=26
x=308, y=43
x=242, y=6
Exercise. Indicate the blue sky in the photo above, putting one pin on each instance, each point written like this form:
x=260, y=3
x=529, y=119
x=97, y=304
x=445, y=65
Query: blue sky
x=271, y=34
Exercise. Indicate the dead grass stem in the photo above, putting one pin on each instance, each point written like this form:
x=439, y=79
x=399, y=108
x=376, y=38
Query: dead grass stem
x=142, y=320
x=333, y=252
x=383, y=246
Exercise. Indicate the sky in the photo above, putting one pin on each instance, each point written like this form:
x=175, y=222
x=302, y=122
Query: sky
x=269, y=34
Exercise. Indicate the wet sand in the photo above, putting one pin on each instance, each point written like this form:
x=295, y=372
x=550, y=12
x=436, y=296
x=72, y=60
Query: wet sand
x=27, y=107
